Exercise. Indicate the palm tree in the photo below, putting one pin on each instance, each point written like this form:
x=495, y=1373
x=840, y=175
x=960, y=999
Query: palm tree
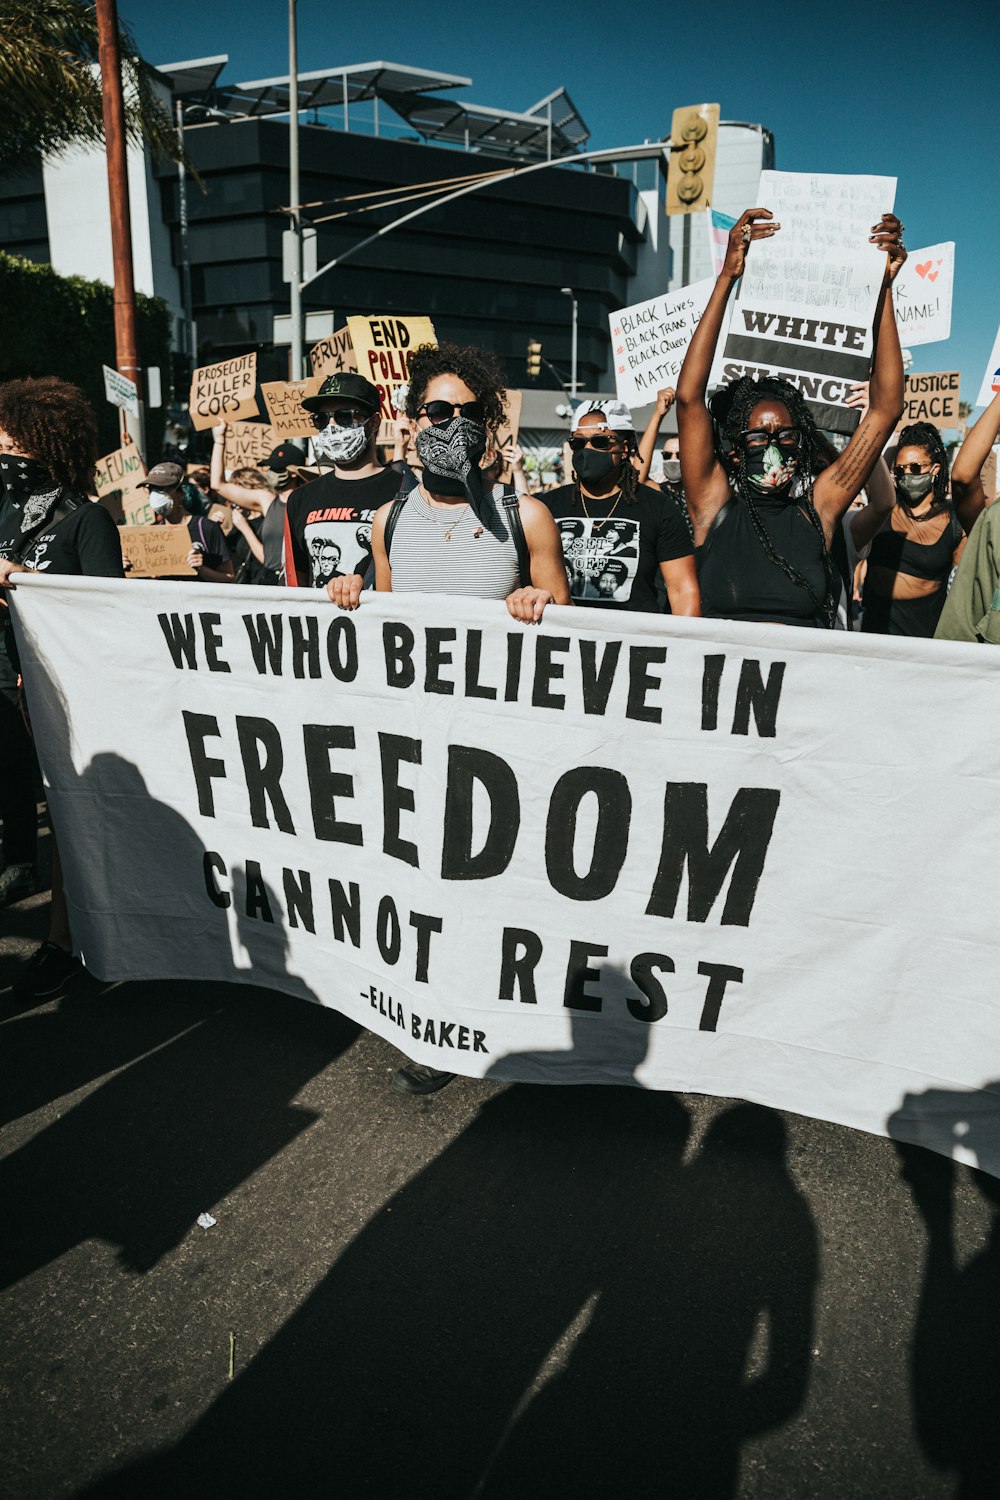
x=50, y=84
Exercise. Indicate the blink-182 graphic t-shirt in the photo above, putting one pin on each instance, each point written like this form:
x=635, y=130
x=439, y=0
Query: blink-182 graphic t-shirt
x=328, y=525
x=613, y=549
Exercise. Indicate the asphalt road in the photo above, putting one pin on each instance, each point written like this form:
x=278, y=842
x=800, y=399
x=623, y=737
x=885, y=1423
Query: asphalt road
x=497, y=1291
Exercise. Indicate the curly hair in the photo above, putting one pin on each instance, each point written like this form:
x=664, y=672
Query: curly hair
x=923, y=435
x=746, y=393
x=480, y=370
x=52, y=421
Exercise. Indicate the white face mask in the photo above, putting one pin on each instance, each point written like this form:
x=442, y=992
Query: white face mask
x=161, y=503
x=341, y=445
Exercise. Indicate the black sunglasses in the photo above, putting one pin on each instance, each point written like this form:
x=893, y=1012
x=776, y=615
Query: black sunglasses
x=438, y=412
x=901, y=469
x=602, y=441
x=788, y=438
x=344, y=416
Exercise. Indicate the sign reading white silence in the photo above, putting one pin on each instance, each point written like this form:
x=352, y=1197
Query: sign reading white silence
x=650, y=340
x=615, y=848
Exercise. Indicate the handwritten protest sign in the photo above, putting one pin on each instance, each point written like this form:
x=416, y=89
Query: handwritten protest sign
x=922, y=295
x=989, y=476
x=283, y=400
x=122, y=470
x=246, y=444
x=650, y=340
x=509, y=427
x=334, y=355
x=384, y=347
x=121, y=391
x=623, y=809
x=991, y=380
x=224, y=391
x=932, y=398
x=156, y=551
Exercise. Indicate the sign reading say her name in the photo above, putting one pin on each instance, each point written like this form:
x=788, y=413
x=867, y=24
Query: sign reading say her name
x=224, y=392
x=384, y=348
x=922, y=295
x=650, y=340
x=608, y=849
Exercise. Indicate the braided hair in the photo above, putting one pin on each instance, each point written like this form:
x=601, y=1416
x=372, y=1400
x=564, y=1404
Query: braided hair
x=746, y=394
x=923, y=435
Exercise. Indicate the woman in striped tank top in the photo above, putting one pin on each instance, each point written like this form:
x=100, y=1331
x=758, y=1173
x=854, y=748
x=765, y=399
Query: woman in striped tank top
x=452, y=535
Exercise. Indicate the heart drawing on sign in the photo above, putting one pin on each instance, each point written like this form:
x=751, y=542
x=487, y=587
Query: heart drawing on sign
x=923, y=270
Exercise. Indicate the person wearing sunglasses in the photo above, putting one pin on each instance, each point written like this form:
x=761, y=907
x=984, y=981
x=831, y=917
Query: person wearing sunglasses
x=918, y=546
x=769, y=526
x=338, y=508
x=606, y=516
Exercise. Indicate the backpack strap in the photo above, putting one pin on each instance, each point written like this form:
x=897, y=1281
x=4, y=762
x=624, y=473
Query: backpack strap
x=64, y=507
x=395, y=511
x=510, y=502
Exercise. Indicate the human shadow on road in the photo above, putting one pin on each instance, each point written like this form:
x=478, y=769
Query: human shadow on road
x=556, y=1305
x=955, y=1355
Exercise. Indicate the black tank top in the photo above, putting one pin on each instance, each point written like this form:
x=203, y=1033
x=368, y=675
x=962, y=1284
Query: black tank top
x=740, y=582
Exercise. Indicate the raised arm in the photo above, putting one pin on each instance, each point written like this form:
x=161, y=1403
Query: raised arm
x=967, y=492
x=236, y=494
x=647, y=443
x=843, y=481
x=880, y=488
x=706, y=485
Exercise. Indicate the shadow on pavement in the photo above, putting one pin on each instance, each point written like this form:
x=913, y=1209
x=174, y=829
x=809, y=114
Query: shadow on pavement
x=955, y=1358
x=556, y=1305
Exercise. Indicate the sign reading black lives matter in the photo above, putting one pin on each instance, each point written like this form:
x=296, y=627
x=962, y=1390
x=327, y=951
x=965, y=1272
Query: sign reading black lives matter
x=613, y=848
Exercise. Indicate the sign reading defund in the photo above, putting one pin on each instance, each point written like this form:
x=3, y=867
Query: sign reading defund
x=608, y=849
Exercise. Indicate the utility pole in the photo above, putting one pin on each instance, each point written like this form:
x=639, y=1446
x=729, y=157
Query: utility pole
x=189, y=333
x=568, y=291
x=293, y=174
x=126, y=343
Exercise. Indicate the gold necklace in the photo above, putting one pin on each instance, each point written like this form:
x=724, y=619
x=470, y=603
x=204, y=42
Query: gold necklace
x=445, y=531
x=594, y=522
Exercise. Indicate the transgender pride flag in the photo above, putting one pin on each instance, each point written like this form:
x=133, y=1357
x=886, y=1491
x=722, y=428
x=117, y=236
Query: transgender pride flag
x=719, y=226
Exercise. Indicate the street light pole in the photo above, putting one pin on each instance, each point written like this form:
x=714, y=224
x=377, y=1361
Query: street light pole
x=293, y=173
x=189, y=348
x=568, y=291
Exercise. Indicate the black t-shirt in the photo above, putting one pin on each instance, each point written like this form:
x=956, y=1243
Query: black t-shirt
x=328, y=525
x=210, y=538
x=85, y=542
x=613, y=549
x=739, y=580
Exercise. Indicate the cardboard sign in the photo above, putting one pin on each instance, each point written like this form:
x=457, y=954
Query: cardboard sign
x=224, y=392
x=509, y=427
x=247, y=444
x=122, y=470
x=922, y=295
x=283, y=400
x=932, y=398
x=334, y=355
x=650, y=340
x=156, y=551
x=384, y=347
x=121, y=391
x=991, y=380
x=988, y=475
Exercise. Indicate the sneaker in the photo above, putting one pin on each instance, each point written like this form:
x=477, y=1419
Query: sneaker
x=46, y=973
x=16, y=882
x=417, y=1078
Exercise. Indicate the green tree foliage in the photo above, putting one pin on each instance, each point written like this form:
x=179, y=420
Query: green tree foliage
x=64, y=325
x=50, y=84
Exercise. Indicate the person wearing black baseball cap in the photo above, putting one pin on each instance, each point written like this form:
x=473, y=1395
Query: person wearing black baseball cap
x=329, y=522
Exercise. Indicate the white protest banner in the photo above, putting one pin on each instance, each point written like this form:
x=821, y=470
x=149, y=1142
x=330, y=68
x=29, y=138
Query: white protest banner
x=383, y=348
x=334, y=355
x=650, y=340
x=922, y=295
x=932, y=398
x=616, y=848
x=226, y=391
x=821, y=351
x=121, y=391
x=283, y=399
x=991, y=380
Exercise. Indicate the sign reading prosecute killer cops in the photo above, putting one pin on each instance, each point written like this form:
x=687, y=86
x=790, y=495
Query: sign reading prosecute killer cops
x=383, y=348
x=224, y=392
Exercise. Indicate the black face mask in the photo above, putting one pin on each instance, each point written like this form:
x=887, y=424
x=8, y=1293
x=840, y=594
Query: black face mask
x=912, y=488
x=22, y=477
x=593, y=467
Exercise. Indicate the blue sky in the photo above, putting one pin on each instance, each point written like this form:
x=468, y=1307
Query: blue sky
x=905, y=90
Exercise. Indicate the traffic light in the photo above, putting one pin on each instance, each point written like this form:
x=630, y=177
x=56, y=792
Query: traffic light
x=694, y=135
x=534, y=359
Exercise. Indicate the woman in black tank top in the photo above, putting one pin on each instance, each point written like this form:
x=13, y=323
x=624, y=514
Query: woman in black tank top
x=765, y=520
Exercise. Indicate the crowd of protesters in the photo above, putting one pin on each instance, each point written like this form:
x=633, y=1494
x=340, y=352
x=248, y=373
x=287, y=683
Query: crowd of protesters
x=759, y=517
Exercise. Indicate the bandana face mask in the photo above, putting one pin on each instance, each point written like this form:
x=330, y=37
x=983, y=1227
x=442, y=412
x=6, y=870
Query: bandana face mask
x=22, y=477
x=340, y=445
x=451, y=452
x=770, y=470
